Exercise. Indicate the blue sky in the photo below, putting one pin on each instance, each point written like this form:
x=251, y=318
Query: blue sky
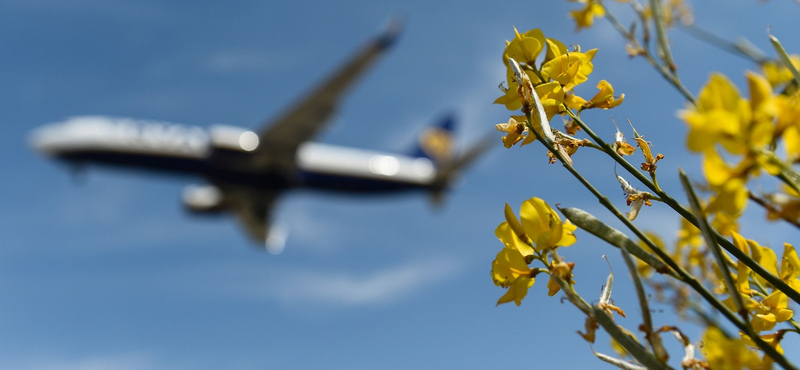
x=107, y=271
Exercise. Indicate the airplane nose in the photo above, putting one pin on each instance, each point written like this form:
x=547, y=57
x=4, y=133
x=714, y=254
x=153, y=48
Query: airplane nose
x=60, y=138
x=45, y=140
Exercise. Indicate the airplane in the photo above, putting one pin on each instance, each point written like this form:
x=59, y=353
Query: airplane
x=247, y=171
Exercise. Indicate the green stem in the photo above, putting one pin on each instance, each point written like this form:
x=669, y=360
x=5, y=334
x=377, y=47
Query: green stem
x=784, y=57
x=634, y=348
x=663, y=44
x=762, y=202
x=790, y=177
x=640, y=11
x=685, y=276
x=685, y=213
x=663, y=70
x=647, y=321
x=655, y=181
x=705, y=229
x=742, y=48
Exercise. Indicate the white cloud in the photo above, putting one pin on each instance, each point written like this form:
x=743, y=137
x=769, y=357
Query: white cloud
x=347, y=289
x=98, y=362
x=311, y=286
x=250, y=61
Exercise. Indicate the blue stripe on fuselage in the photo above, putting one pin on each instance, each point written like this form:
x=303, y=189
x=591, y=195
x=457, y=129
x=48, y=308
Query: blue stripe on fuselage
x=351, y=184
x=139, y=161
x=177, y=166
x=202, y=167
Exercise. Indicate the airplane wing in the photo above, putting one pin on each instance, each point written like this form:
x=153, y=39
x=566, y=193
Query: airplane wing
x=303, y=121
x=253, y=207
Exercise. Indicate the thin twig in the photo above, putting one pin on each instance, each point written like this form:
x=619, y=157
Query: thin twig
x=762, y=202
x=705, y=229
x=741, y=48
x=685, y=276
x=663, y=70
x=685, y=213
x=664, y=51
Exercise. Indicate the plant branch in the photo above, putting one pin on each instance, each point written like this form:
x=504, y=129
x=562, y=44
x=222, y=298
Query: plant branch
x=685, y=213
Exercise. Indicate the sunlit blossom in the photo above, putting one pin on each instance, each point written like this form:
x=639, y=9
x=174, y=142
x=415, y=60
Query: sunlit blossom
x=515, y=132
x=568, y=68
x=544, y=227
x=605, y=98
x=727, y=353
x=510, y=270
x=524, y=47
x=771, y=310
x=649, y=164
x=585, y=17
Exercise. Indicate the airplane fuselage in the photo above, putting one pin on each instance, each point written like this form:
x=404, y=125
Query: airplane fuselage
x=246, y=172
x=224, y=153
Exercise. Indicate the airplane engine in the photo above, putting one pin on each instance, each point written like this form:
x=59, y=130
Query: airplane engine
x=233, y=138
x=203, y=199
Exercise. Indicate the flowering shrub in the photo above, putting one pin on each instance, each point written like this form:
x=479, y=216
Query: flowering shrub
x=726, y=279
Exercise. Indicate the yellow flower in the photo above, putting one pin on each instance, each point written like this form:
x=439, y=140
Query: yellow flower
x=771, y=310
x=777, y=73
x=765, y=257
x=731, y=198
x=790, y=267
x=727, y=353
x=791, y=137
x=725, y=223
x=585, y=17
x=723, y=117
x=764, y=109
x=574, y=101
x=517, y=291
x=524, y=47
x=551, y=95
x=544, y=227
x=649, y=163
x=623, y=148
x=568, y=68
x=719, y=117
x=511, y=97
x=605, y=98
x=762, y=101
x=689, y=235
x=511, y=234
x=562, y=270
x=510, y=270
x=743, y=274
x=783, y=206
x=554, y=49
x=788, y=124
x=508, y=266
x=718, y=172
x=516, y=132
x=773, y=340
x=687, y=248
x=672, y=11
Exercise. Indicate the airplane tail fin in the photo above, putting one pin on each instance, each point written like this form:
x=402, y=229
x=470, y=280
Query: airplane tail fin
x=449, y=171
x=436, y=142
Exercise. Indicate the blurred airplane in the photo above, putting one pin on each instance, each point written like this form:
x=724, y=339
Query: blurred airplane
x=248, y=171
